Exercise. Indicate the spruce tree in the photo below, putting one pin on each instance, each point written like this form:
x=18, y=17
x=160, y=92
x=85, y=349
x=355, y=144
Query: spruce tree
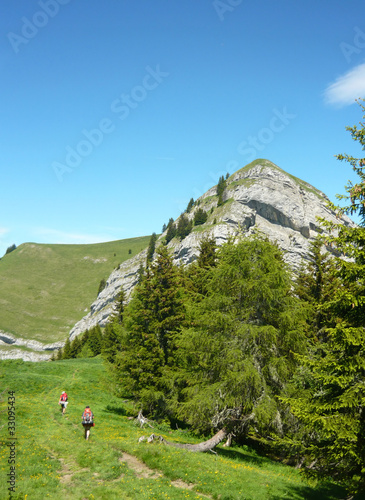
x=184, y=227
x=237, y=355
x=151, y=248
x=66, y=352
x=190, y=205
x=111, y=341
x=200, y=217
x=102, y=285
x=221, y=186
x=95, y=340
x=333, y=407
x=315, y=284
x=75, y=347
x=151, y=321
x=171, y=231
x=119, y=307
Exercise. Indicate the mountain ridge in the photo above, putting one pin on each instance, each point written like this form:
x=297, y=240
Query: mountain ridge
x=260, y=196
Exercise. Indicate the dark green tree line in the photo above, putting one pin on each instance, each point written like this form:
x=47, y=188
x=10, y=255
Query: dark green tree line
x=332, y=406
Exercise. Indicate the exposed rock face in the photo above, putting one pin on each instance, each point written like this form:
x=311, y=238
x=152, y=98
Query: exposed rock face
x=9, y=340
x=261, y=197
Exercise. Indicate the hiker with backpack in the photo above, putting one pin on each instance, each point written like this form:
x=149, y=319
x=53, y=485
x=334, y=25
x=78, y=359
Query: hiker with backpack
x=63, y=401
x=87, y=421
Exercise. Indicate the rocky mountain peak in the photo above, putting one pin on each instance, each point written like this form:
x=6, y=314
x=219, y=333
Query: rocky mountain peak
x=260, y=196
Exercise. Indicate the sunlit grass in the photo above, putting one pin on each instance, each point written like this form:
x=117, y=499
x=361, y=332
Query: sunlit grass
x=56, y=284
x=53, y=460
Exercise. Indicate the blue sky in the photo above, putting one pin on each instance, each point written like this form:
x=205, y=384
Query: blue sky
x=115, y=113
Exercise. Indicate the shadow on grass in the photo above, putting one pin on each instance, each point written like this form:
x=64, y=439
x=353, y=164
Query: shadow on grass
x=117, y=410
x=245, y=456
x=324, y=491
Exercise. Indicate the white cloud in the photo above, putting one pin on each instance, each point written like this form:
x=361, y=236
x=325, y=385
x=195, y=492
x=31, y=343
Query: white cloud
x=346, y=88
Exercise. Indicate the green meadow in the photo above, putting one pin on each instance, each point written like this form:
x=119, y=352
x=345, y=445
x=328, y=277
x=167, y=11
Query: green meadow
x=52, y=459
x=45, y=289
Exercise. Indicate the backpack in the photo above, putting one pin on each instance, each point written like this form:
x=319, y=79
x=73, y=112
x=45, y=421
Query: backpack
x=87, y=416
x=64, y=397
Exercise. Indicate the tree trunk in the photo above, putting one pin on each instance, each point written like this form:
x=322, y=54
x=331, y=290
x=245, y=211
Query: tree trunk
x=204, y=446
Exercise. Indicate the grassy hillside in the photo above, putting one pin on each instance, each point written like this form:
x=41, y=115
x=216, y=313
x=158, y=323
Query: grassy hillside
x=52, y=460
x=46, y=289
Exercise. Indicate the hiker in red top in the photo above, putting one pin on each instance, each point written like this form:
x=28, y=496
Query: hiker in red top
x=87, y=421
x=63, y=402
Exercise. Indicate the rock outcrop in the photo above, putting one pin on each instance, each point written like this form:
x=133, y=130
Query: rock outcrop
x=261, y=197
x=43, y=351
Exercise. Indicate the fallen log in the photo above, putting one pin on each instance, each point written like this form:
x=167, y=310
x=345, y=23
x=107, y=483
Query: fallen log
x=199, y=447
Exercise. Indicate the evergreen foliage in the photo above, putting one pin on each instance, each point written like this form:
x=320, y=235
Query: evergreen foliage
x=75, y=347
x=184, y=227
x=332, y=407
x=221, y=186
x=66, y=351
x=95, y=340
x=102, y=285
x=119, y=306
x=140, y=274
x=111, y=340
x=190, y=205
x=315, y=284
x=171, y=231
x=151, y=248
x=10, y=249
x=144, y=364
x=200, y=217
x=237, y=355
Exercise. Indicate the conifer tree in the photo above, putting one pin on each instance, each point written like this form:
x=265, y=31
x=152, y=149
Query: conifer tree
x=95, y=340
x=190, y=205
x=198, y=273
x=333, y=407
x=66, y=352
x=119, y=307
x=111, y=341
x=207, y=252
x=140, y=274
x=151, y=248
x=151, y=321
x=315, y=284
x=237, y=355
x=221, y=186
x=171, y=231
x=184, y=227
x=200, y=217
x=102, y=285
x=75, y=347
